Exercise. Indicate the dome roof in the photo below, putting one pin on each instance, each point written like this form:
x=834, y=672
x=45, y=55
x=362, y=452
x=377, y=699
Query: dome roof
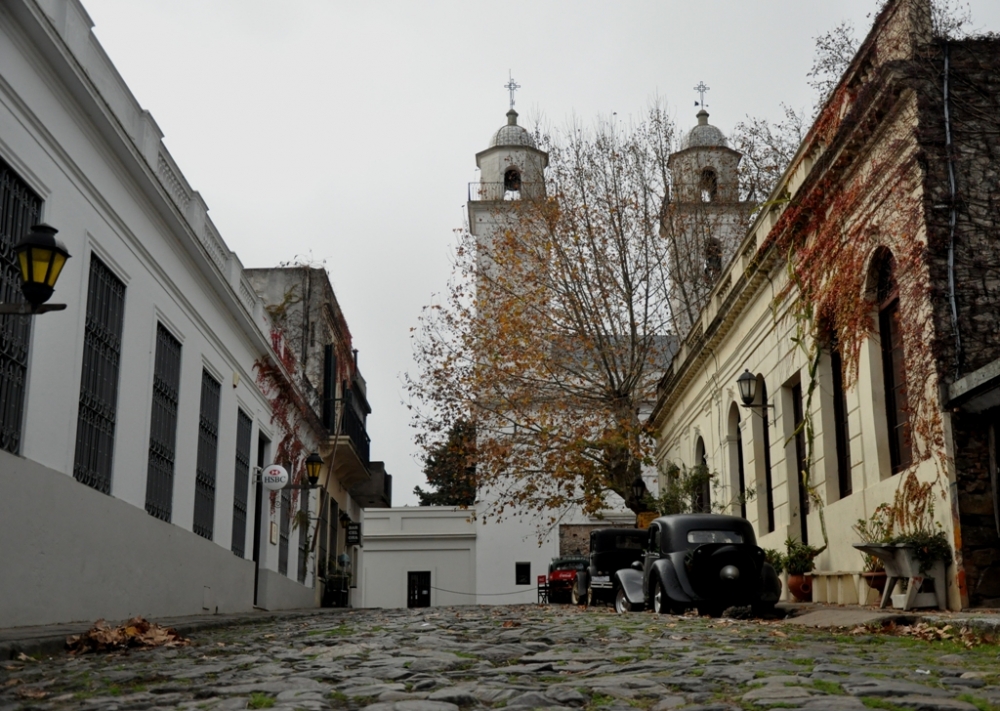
x=704, y=134
x=512, y=134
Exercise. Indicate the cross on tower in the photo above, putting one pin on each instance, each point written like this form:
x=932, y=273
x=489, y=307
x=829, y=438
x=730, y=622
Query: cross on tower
x=701, y=89
x=512, y=87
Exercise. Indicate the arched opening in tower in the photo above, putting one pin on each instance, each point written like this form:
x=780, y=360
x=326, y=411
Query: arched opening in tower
x=512, y=179
x=709, y=185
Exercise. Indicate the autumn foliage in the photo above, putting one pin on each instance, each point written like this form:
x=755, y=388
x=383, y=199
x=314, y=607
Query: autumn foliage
x=557, y=326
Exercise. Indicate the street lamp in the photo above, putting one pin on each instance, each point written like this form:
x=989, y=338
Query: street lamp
x=747, y=384
x=41, y=258
x=638, y=488
x=313, y=464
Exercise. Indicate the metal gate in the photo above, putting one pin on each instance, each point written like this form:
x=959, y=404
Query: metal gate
x=418, y=589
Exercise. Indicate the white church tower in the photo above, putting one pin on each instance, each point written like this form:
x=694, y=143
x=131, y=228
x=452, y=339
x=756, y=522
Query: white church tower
x=511, y=169
x=705, y=216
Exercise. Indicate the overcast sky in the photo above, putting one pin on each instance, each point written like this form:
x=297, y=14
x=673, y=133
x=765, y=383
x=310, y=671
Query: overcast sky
x=348, y=130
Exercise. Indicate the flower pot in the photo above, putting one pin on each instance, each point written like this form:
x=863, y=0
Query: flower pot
x=875, y=580
x=800, y=585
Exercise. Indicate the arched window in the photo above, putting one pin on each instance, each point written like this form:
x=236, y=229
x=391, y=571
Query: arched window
x=893, y=363
x=762, y=460
x=709, y=185
x=839, y=423
x=512, y=179
x=703, y=496
x=737, y=475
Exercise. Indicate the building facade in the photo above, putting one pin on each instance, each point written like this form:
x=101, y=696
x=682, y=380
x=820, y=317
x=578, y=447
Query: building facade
x=324, y=365
x=862, y=301
x=131, y=423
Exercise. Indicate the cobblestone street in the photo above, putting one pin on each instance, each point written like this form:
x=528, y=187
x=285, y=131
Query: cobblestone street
x=445, y=659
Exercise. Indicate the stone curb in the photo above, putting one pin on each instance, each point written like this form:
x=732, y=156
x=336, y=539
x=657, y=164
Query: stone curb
x=48, y=642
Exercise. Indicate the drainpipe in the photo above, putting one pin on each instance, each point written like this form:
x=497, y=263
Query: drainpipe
x=952, y=216
x=960, y=581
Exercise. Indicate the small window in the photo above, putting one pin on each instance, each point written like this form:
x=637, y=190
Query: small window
x=709, y=185
x=713, y=259
x=714, y=537
x=512, y=179
x=522, y=573
x=628, y=543
x=653, y=544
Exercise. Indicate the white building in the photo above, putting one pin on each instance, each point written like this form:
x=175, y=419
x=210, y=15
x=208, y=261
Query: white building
x=131, y=421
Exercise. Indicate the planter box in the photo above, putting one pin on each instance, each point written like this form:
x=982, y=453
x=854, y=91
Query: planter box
x=924, y=599
x=900, y=562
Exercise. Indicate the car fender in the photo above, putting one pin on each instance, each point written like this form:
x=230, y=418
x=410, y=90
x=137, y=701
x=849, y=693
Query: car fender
x=677, y=559
x=631, y=581
x=667, y=574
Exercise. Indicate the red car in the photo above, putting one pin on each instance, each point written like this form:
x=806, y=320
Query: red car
x=562, y=576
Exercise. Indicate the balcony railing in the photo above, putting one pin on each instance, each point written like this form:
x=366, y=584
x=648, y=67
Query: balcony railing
x=500, y=191
x=353, y=426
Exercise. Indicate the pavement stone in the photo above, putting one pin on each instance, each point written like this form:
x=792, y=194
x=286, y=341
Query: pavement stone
x=516, y=657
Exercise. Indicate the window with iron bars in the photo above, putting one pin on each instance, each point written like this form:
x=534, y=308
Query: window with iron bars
x=102, y=346
x=303, y=538
x=19, y=210
x=286, y=518
x=241, y=491
x=208, y=445
x=163, y=425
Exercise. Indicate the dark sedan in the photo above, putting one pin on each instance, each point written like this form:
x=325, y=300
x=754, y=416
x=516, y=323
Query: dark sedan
x=706, y=561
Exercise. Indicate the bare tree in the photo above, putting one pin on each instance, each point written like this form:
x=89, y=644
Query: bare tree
x=557, y=327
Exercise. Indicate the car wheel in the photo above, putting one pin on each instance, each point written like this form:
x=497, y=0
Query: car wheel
x=660, y=600
x=574, y=596
x=590, y=596
x=622, y=605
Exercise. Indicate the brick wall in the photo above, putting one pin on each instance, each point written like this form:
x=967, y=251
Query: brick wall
x=574, y=539
x=974, y=107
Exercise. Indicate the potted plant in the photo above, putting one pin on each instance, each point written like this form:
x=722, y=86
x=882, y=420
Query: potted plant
x=913, y=548
x=873, y=531
x=799, y=561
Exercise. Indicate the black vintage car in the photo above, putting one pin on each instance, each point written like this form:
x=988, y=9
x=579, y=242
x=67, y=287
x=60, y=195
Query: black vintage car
x=611, y=549
x=707, y=561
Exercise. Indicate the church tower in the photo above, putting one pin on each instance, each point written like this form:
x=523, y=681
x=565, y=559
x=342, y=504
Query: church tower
x=510, y=170
x=704, y=217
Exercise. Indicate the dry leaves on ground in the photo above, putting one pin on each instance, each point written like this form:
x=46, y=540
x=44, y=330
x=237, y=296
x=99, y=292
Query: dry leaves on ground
x=26, y=692
x=930, y=633
x=137, y=632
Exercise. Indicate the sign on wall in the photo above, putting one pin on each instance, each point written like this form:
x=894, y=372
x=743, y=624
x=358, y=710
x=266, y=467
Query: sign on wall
x=274, y=477
x=354, y=534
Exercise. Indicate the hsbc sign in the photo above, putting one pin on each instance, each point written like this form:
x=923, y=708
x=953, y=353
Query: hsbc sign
x=274, y=477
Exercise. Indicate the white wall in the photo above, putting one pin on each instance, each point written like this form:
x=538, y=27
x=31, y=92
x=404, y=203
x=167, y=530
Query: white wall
x=112, y=190
x=437, y=539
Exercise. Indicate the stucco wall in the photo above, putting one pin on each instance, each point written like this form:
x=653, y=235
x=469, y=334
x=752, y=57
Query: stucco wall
x=70, y=553
x=435, y=539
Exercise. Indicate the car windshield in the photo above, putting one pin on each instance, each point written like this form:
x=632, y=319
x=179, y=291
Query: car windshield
x=628, y=543
x=569, y=565
x=714, y=537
